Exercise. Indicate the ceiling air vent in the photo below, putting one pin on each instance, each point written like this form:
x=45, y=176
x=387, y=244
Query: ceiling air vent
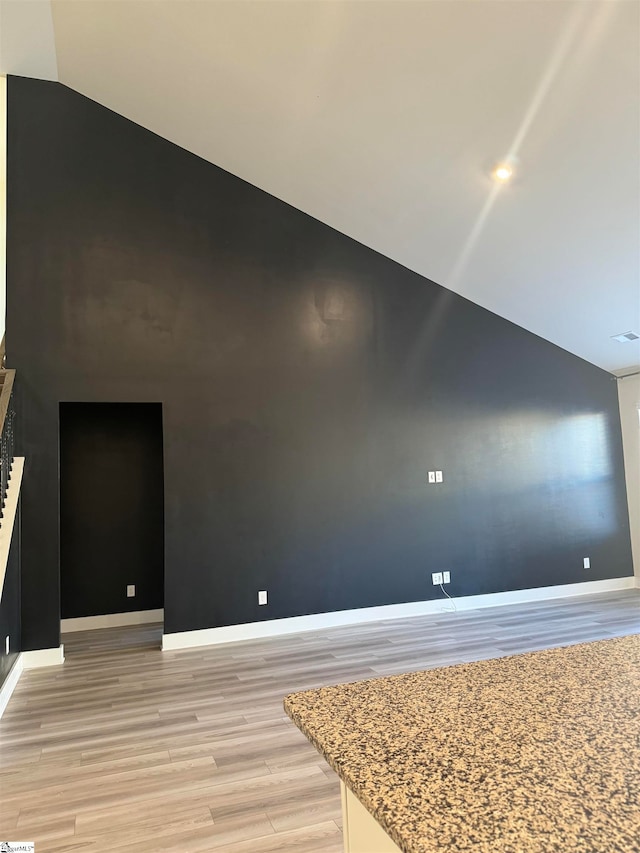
x=625, y=336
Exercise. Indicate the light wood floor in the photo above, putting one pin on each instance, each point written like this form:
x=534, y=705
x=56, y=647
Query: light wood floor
x=127, y=748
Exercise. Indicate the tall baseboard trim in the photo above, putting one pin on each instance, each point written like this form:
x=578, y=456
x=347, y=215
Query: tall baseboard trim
x=9, y=685
x=42, y=657
x=28, y=660
x=110, y=620
x=318, y=621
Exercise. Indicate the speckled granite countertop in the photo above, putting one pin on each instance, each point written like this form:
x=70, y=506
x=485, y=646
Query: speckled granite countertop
x=534, y=753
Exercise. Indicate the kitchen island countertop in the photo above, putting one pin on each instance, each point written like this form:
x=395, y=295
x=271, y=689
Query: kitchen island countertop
x=534, y=753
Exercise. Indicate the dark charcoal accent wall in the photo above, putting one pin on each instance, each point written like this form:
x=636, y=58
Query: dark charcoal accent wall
x=308, y=385
x=111, y=508
x=10, y=605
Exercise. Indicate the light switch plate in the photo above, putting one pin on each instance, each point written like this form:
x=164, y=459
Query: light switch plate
x=438, y=476
x=262, y=596
x=432, y=476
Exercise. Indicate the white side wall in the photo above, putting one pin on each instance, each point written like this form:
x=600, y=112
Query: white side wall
x=3, y=202
x=629, y=397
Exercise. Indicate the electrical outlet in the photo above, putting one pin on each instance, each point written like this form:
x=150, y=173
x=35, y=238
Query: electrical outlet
x=131, y=590
x=436, y=578
x=432, y=476
x=6, y=645
x=438, y=476
x=586, y=562
x=262, y=596
x=446, y=577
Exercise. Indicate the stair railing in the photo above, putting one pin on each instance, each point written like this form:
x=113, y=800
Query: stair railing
x=7, y=433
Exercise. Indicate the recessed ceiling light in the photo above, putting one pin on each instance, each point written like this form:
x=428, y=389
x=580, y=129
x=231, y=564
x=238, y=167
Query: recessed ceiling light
x=625, y=337
x=503, y=172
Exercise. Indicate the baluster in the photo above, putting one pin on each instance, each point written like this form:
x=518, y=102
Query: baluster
x=10, y=436
x=7, y=437
x=3, y=479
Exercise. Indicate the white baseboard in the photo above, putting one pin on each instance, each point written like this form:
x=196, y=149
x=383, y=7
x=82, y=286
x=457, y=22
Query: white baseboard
x=28, y=660
x=42, y=657
x=110, y=620
x=318, y=621
x=9, y=685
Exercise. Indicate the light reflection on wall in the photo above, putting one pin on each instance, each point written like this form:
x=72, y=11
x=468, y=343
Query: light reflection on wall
x=334, y=313
x=533, y=451
x=541, y=449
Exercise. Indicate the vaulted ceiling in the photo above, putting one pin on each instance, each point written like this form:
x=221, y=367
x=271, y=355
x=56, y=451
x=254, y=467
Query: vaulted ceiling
x=384, y=120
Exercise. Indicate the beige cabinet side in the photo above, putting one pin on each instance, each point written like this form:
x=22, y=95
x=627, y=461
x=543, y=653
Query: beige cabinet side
x=361, y=831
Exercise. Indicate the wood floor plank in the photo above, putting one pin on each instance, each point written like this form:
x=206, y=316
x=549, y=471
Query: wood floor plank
x=127, y=748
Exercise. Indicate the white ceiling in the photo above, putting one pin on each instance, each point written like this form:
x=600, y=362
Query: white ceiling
x=383, y=119
x=27, y=42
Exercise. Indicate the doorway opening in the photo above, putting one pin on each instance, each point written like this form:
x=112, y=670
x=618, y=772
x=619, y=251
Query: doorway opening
x=111, y=515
